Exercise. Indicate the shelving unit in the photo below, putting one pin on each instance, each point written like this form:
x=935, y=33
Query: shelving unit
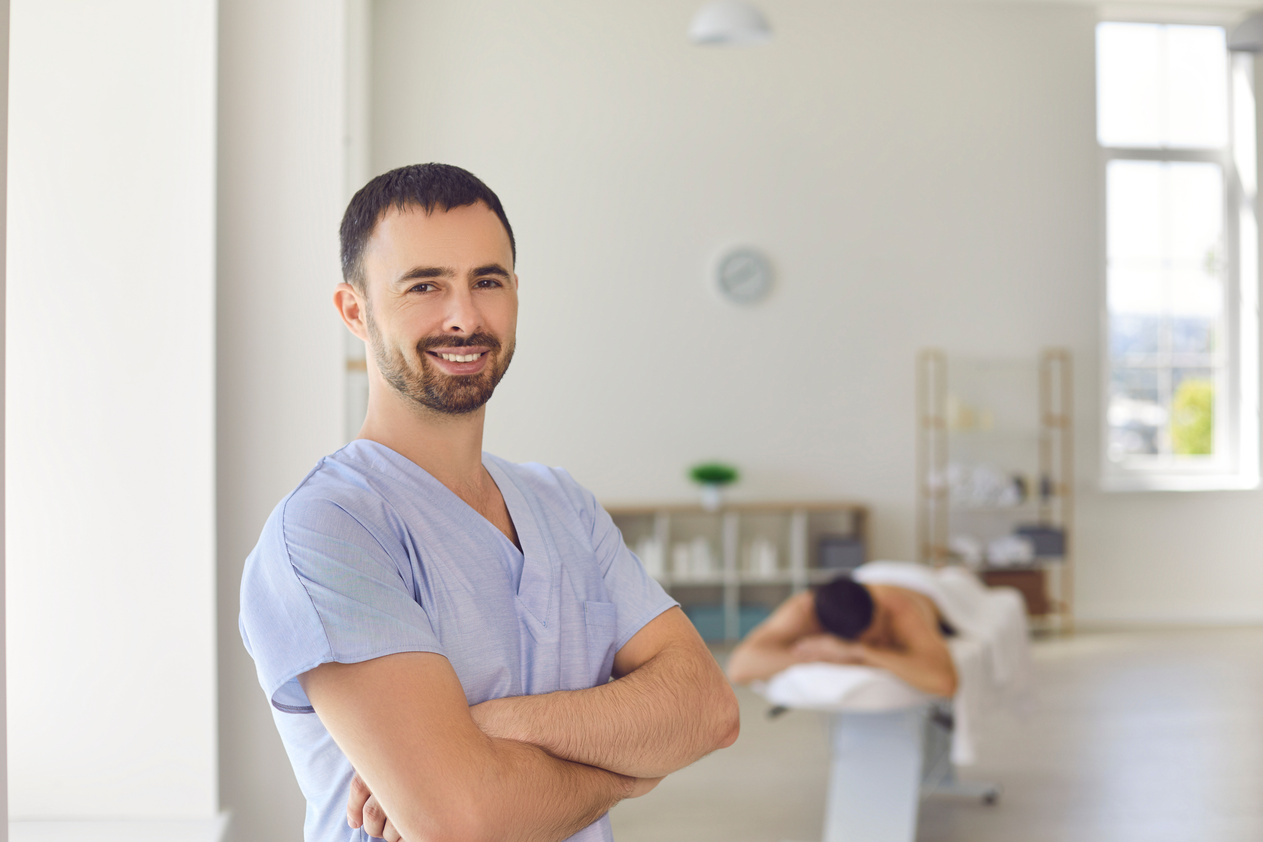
x=729, y=568
x=994, y=459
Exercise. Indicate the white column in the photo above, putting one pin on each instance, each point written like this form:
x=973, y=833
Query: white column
x=110, y=546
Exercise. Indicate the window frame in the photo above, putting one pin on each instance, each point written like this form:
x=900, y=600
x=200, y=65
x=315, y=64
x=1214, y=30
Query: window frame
x=1237, y=410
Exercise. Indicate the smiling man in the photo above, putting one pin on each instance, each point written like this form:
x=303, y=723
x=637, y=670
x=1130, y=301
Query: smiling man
x=437, y=628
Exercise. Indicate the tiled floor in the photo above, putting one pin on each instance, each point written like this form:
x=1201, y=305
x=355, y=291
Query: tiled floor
x=1154, y=736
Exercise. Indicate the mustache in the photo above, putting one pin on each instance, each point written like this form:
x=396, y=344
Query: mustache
x=486, y=340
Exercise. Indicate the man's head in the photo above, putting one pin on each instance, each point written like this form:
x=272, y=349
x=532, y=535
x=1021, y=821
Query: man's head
x=428, y=260
x=428, y=187
x=845, y=608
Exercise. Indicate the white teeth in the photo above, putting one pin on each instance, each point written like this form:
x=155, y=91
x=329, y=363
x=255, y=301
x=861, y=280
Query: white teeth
x=459, y=358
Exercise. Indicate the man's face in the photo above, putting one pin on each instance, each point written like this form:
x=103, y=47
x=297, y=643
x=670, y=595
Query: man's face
x=442, y=305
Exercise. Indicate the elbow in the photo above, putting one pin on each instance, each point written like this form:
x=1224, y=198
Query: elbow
x=727, y=725
x=456, y=820
x=948, y=684
x=451, y=814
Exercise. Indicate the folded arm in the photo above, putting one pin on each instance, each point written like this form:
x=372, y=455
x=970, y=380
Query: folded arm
x=668, y=705
x=403, y=722
x=918, y=654
x=770, y=646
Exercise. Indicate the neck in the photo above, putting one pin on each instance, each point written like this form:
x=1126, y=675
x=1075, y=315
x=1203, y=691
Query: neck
x=448, y=447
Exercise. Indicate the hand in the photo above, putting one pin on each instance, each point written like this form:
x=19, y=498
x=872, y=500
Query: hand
x=828, y=648
x=362, y=809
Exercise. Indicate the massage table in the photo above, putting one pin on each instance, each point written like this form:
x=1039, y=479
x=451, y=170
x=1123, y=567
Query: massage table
x=891, y=744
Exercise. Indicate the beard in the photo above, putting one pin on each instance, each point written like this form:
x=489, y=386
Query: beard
x=423, y=384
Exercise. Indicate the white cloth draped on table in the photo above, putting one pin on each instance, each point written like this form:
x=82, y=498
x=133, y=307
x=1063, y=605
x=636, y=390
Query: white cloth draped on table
x=990, y=652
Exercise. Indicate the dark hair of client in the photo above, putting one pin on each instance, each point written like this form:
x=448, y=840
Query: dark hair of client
x=844, y=607
x=424, y=186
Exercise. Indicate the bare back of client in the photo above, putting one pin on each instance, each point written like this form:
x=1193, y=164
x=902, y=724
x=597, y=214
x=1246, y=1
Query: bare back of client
x=844, y=622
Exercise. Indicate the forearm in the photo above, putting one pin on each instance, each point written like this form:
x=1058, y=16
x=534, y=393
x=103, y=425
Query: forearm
x=515, y=792
x=933, y=675
x=661, y=717
x=537, y=797
x=759, y=663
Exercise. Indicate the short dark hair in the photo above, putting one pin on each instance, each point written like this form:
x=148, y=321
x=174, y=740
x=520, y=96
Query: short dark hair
x=844, y=607
x=424, y=186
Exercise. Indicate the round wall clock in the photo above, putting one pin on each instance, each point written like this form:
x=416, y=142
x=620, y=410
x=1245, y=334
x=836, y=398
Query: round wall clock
x=744, y=275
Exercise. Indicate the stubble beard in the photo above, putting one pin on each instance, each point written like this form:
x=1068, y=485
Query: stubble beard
x=424, y=385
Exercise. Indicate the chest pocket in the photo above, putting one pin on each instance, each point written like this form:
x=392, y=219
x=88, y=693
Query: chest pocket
x=586, y=645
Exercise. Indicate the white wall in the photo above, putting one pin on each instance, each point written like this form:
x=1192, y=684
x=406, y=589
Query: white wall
x=921, y=174
x=4, y=188
x=281, y=195
x=110, y=544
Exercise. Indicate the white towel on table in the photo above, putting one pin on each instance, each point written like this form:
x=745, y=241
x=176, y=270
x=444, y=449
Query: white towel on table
x=989, y=652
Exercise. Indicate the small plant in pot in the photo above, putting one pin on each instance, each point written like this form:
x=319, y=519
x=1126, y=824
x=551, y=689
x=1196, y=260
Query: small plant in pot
x=712, y=477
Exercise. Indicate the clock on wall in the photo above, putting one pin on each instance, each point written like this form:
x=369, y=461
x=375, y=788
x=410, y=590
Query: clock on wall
x=743, y=275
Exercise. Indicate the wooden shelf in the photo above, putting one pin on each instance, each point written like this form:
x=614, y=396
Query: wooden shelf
x=729, y=567
x=1029, y=418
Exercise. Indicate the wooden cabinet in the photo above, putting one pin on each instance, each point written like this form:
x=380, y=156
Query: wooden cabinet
x=995, y=473
x=730, y=567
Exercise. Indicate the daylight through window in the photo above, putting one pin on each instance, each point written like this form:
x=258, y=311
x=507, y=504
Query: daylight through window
x=1179, y=410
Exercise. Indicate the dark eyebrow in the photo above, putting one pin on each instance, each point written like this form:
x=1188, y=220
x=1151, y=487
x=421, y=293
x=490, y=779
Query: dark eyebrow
x=418, y=273
x=421, y=272
x=491, y=269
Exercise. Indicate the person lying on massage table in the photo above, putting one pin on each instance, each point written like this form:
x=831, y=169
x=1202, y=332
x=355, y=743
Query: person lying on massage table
x=844, y=622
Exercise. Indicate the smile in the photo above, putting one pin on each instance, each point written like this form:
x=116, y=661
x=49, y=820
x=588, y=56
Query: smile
x=458, y=358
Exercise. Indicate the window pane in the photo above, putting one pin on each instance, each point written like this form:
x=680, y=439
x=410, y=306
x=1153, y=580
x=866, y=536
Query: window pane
x=1161, y=85
x=1196, y=306
x=1134, y=209
x=1136, y=304
x=1165, y=242
x=1128, y=70
x=1136, y=413
x=1193, y=413
x=1134, y=336
x=1194, y=211
x=1196, y=79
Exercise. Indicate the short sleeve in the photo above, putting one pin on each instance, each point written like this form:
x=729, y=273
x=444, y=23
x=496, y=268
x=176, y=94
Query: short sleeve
x=324, y=585
x=638, y=595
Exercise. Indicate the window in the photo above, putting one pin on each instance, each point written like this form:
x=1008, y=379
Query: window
x=1175, y=122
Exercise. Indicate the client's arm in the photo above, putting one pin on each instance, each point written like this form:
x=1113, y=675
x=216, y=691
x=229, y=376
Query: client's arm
x=918, y=653
x=770, y=646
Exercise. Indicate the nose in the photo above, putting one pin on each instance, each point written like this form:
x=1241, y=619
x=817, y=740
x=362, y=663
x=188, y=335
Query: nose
x=462, y=315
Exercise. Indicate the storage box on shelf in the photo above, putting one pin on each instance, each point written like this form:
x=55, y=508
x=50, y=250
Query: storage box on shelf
x=995, y=474
x=729, y=568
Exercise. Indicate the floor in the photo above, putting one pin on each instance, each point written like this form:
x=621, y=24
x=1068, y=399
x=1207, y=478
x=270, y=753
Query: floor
x=1154, y=736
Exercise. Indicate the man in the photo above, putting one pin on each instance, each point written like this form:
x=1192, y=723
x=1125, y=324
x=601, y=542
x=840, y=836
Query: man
x=845, y=622
x=451, y=619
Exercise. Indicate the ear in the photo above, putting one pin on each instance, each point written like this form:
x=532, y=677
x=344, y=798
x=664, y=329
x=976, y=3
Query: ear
x=352, y=307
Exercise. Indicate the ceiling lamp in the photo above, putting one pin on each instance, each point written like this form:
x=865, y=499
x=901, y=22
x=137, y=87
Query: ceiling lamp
x=729, y=23
x=1247, y=36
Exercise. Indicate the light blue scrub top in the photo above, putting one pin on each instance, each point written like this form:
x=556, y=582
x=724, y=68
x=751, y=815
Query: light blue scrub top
x=371, y=555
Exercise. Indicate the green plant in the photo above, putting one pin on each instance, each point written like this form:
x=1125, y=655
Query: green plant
x=1193, y=418
x=713, y=473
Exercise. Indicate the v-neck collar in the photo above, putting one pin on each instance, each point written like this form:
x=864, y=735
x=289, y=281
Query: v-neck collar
x=536, y=585
x=535, y=590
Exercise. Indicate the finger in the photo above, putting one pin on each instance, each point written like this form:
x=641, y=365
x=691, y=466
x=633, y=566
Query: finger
x=390, y=834
x=355, y=801
x=374, y=818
